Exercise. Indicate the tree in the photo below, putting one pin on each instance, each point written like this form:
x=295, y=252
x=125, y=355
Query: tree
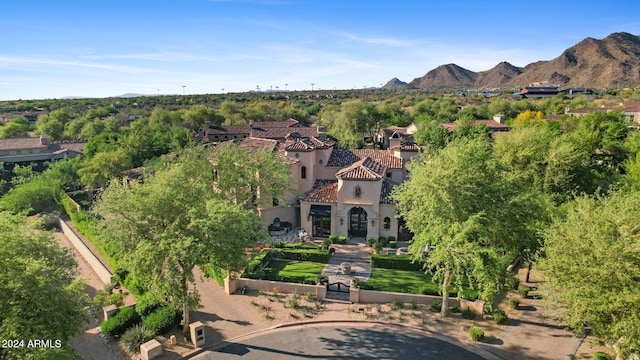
x=460, y=205
x=165, y=227
x=433, y=135
x=249, y=179
x=104, y=166
x=15, y=128
x=39, y=297
x=592, y=268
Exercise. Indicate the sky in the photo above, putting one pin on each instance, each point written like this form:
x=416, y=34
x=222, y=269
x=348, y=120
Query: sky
x=93, y=48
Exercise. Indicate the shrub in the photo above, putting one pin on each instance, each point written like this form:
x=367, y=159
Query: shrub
x=523, y=290
x=332, y=238
x=455, y=309
x=435, y=306
x=468, y=314
x=500, y=317
x=293, y=300
x=313, y=255
x=514, y=302
x=392, y=244
x=382, y=240
x=147, y=304
x=413, y=304
x=396, y=304
x=513, y=282
x=391, y=238
x=397, y=262
x=161, y=320
x=599, y=355
x=135, y=336
x=476, y=334
x=32, y=197
x=124, y=319
x=342, y=239
x=371, y=242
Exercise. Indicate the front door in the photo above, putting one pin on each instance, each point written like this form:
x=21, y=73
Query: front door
x=358, y=222
x=321, y=226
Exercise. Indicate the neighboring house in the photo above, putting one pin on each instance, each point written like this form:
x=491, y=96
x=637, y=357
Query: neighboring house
x=495, y=126
x=36, y=151
x=630, y=110
x=336, y=191
x=403, y=132
x=537, y=92
x=276, y=130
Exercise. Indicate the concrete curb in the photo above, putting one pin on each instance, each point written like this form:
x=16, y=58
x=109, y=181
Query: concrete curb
x=476, y=349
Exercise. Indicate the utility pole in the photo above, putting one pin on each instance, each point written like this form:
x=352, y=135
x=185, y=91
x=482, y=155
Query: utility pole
x=183, y=86
x=312, y=86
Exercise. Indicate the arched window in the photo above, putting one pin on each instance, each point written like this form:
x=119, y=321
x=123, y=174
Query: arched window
x=303, y=172
x=357, y=192
x=387, y=223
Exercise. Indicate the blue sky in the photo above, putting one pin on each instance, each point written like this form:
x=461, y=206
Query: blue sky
x=54, y=49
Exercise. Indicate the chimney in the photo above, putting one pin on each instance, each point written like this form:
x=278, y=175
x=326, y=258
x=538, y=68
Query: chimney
x=44, y=140
x=499, y=118
x=395, y=141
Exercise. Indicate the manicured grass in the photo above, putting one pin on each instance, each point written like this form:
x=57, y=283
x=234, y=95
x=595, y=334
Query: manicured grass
x=408, y=282
x=303, y=272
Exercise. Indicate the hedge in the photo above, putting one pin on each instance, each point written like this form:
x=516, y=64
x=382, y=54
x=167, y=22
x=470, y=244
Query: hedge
x=120, y=322
x=397, y=262
x=162, y=320
x=312, y=255
x=342, y=239
x=256, y=263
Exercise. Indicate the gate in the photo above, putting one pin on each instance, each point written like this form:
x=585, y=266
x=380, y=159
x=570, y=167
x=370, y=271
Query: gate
x=338, y=287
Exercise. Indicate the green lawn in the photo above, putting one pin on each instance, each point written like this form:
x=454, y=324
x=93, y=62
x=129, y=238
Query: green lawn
x=294, y=271
x=408, y=282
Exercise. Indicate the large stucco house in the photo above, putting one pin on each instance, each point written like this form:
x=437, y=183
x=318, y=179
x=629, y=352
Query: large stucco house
x=334, y=191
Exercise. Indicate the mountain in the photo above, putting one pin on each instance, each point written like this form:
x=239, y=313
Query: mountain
x=498, y=75
x=394, y=84
x=612, y=62
x=445, y=76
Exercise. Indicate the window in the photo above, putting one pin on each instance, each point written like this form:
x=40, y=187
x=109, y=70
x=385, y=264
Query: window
x=303, y=172
x=387, y=223
x=357, y=192
x=389, y=174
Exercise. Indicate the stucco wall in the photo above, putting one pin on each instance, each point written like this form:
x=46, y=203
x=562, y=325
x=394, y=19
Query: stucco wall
x=103, y=273
x=320, y=291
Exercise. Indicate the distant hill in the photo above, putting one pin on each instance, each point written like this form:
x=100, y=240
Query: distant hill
x=394, y=84
x=612, y=62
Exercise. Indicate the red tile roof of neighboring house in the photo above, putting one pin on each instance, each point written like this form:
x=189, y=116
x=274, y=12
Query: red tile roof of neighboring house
x=291, y=122
x=21, y=143
x=226, y=130
x=283, y=132
x=364, y=169
x=409, y=146
x=255, y=145
x=492, y=125
x=297, y=143
x=346, y=157
x=323, y=191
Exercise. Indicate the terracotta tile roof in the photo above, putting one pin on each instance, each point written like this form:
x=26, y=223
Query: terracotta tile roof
x=298, y=143
x=227, y=130
x=364, y=169
x=346, y=157
x=387, y=187
x=409, y=146
x=291, y=122
x=255, y=145
x=323, y=191
x=283, y=132
x=21, y=143
x=492, y=125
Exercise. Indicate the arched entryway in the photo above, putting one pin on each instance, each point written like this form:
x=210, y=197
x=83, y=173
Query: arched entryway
x=358, y=222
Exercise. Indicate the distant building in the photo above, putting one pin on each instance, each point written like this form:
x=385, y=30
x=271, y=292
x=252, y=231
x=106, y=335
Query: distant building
x=36, y=151
x=495, y=126
x=537, y=92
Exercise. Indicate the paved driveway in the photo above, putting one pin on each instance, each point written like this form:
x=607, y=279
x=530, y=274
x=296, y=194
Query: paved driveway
x=345, y=341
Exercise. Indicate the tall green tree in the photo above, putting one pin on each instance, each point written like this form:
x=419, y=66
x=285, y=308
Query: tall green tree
x=172, y=222
x=104, y=166
x=593, y=270
x=39, y=295
x=460, y=205
x=249, y=179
